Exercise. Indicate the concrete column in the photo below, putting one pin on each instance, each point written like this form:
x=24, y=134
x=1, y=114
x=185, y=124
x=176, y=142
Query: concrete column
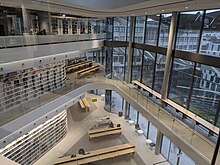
x=126, y=109
x=169, y=55
x=44, y=21
x=158, y=142
x=128, y=78
x=98, y=56
x=26, y=20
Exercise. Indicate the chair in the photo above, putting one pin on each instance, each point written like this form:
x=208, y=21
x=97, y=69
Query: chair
x=81, y=151
x=111, y=125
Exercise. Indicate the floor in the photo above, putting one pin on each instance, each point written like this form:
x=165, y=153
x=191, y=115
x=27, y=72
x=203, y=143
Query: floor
x=77, y=137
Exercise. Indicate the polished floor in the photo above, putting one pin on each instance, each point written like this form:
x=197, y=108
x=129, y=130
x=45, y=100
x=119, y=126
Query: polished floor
x=77, y=137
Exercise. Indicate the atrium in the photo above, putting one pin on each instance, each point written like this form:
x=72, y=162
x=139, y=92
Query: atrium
x=121, y=82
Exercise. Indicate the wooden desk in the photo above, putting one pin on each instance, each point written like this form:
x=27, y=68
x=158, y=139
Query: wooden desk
x=96, y=155
x=77, y=66
x=129, y=151
x=87, y=70
x=81, y=104
x=108, y=155
x=104, y=132
x=88, y=160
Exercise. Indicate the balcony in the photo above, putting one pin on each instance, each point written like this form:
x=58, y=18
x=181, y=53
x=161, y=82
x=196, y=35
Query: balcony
x=189, y=140
x=30, y=40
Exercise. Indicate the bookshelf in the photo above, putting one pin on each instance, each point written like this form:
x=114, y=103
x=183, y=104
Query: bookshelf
x=65, y=26
x=24, y=85
x=89, y=27
x=28, y=148
x=74, y=27
x=82, y=28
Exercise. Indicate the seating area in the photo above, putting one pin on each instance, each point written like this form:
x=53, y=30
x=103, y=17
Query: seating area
x=86, y=71
x=84, y=104
x=97, y=155
x=104, y=132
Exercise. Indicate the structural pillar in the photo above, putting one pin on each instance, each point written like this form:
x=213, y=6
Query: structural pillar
x=126, y=115
x=128, y=78
x=168, y=56
x=158, y=142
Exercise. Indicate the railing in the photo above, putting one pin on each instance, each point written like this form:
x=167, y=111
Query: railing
x=190, y=136
x=27, y=40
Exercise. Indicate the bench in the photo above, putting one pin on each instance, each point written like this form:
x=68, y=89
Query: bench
x=87, y=70
x=84, y=104
x=104, y=132
x=75, y=67
x=97, y=155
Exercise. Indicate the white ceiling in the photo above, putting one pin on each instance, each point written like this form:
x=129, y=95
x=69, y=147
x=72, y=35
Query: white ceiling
x=105, y=8
x=104, y=4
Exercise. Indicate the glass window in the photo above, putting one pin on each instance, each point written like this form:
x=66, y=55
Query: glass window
x=165, y=146
x=109, y=28
x=205, y=94
x=159, y=72
x=143, y=122
x=133, y=114
x=153, y=133
x=136, y=64
x=211, y=34
x=148, y=68
x=120, y=24
x=185, y=159
x=164, y=29
x=119, y=60
x=152, y=29
x=181, y=81
x=174, y=150
x=139, y=29
x=116, y=102
x=188, y=31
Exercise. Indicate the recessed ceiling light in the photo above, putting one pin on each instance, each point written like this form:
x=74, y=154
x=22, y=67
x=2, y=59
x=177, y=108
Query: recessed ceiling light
x=186, y=7
x=145, y=12
x=162, y=10
x=1, y=4
x=64, y=15
x=132, y=14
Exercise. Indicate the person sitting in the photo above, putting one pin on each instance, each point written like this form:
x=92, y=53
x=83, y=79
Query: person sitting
x=74, y=155
x=111, y=125
x=81, y=151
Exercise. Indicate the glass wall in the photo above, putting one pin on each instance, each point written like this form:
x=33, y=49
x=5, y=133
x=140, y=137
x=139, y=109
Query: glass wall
x=165, y=146
x=136, y=64
x=117, y=101
x=143, y=122
x=211, y=34
x=181, y=78
x=164, y=29
x=188, y=31
x=119, y=62
x=159, y=72
x=120, y=28
x=152, y=29
x=139, y=29
x=205, y=95
x=133, y=114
